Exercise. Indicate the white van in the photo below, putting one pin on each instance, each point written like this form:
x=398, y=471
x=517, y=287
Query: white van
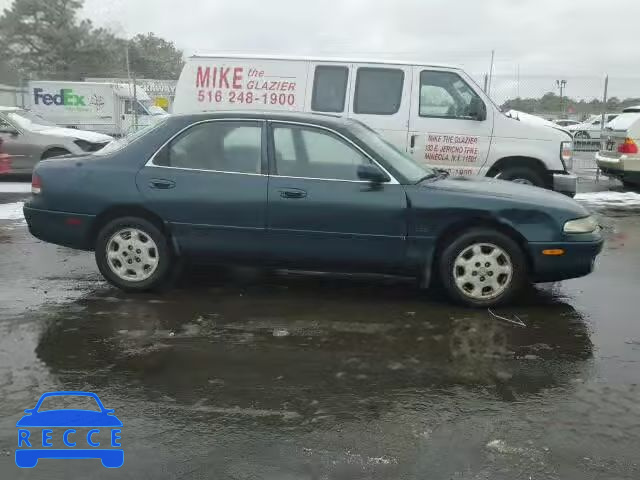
x=100, y=107
x=438, y=114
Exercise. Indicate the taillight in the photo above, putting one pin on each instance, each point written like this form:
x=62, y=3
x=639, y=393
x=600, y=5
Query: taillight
x=36, y=184
x=628, y=146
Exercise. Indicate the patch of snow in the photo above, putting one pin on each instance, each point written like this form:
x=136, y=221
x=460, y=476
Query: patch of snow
x=15, y=187
x=609, y=199
x=11, y=211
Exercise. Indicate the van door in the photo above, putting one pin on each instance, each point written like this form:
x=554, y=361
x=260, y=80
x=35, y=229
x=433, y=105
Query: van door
x=129, y=121
x=380, y=97
x=451, y=123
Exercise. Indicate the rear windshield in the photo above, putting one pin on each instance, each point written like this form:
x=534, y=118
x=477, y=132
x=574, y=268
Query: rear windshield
x=623, y=121
x=120, y=143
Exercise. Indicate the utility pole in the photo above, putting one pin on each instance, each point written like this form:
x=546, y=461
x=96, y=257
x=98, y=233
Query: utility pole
x=493, y=52
x=561, y=84
x=132, y=85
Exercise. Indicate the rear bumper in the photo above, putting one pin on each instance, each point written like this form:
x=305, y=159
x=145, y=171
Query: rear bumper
x=577, y=261
x=623, y=168
x=67, y=229
x=566, y=183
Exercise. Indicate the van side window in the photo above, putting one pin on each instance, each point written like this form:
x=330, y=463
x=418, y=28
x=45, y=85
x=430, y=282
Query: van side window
x=329, y=88
x=378, y=91
x=128, y=108
x=446, y=95
x=219, y=146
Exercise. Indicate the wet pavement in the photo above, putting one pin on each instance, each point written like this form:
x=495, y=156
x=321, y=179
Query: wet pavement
x=244, y=375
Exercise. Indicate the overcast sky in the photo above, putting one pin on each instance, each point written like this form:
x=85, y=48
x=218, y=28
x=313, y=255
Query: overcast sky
x=557, y=38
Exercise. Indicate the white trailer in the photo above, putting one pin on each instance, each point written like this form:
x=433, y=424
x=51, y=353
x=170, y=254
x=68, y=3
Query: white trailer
x=100, y=107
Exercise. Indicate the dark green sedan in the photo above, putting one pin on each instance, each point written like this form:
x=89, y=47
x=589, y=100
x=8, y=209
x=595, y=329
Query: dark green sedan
x=305, y=192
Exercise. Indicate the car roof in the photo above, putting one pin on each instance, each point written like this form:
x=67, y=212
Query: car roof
x=299, y=58
x=315, y=118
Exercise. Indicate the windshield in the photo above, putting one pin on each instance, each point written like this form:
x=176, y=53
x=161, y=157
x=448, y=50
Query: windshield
x=398, y=160
x=29, y=120
x=120, y=143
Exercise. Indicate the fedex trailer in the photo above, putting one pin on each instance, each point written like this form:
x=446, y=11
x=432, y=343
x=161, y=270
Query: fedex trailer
x=109, y=108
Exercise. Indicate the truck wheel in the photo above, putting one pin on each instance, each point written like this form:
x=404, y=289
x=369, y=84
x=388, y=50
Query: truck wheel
x=524, y=175
x=133, y=254
x=482, y=268
x=55, y=152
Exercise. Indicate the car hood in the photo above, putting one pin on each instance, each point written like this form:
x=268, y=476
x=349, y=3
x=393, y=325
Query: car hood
x=523, y=194
x=85, y=135
x=69, y=418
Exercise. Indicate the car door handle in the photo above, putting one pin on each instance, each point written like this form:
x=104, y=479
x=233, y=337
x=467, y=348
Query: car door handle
x=293, y=193
x=412, y=141
x=162, y=184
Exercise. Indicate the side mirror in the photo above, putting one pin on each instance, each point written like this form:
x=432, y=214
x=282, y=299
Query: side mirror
x=372, y=174
x=478, y=110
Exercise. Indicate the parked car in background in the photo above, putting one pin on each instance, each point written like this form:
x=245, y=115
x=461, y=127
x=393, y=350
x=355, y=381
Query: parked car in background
x=590, y=129
x=565, y=122
x=437, y=114
x=5, y=160
x=307, y=192
x=28, y=138
x=109, y=108
x=618, y=155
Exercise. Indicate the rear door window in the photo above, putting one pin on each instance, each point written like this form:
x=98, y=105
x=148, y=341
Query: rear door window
x=378, y=91
x=329, y=88
x=220, y=146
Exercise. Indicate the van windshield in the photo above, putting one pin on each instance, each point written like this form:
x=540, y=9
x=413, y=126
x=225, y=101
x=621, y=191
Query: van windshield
x=399, y=160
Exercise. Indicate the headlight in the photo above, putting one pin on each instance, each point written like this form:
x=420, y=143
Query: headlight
x=581, y=225
x=566, y=154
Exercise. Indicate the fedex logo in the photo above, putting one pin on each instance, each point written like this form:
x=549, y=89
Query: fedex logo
x=65, y=97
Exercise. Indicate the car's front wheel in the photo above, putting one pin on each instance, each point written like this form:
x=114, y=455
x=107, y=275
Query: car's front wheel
x=133, y=254
x=482, y=268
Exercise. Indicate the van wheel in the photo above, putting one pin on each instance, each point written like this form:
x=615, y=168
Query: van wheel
x=483, y=268
x=55, y=152
x=133, y=254
x=524, y=175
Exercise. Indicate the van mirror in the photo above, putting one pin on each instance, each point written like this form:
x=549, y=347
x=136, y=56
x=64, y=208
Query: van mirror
x=477, y=109
x=372, y=174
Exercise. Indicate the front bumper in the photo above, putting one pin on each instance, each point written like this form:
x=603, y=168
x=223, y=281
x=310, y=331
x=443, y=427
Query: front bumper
x=566, y=183
x=67, y=229
x=577, y=261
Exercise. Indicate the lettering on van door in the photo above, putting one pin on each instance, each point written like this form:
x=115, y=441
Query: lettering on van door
x=451, y=149
x=236, y=86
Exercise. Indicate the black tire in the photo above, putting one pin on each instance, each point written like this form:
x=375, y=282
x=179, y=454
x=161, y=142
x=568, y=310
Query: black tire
x=165, y=263
x=582, y=135
x=522, y=175
x=483, y=235
x=55, y=152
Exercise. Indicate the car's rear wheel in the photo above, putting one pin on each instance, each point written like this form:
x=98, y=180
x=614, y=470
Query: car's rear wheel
x=523, y=175
x=482, y=268
x=55, y=152
x=581, y=135
x=133, y=254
